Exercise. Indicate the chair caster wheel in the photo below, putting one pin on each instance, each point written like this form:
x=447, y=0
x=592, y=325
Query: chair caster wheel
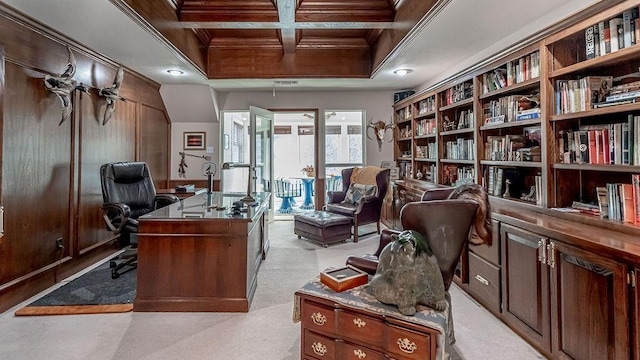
x=112, y=264
x=299, y=237
x=114, y=275
x=325, y=246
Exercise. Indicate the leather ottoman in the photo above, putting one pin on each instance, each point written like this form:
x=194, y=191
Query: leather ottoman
x=322, y=227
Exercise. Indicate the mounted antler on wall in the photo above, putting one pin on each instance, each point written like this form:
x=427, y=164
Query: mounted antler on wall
x=380, y=129
x=63, y=85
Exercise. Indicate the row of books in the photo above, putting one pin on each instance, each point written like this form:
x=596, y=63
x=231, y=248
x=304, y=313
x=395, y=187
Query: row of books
x=620, y=201
x=427, y=105
x=511, y=108
x=460, y=149
x=458, y=92
x=587, y=93
x=404, y=113
x=425, y=127
x=455, y=174
x=428, y=151
x=601, y=144
x=503, y=148
x=405, y=131
x=513, y=72
x=611, y=35
x=428, y=173
x=466, y=119
x=406, y=169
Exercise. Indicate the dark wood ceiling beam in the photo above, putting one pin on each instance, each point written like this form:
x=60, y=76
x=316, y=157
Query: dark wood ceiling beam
x=244, y=42
x=353, y=15
x=295, y=25
x=308, y=63
x=332, y=43
x=241, y=15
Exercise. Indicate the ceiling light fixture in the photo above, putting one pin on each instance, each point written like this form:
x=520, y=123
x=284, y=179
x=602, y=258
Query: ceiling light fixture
x=402, y=72
x=175, y=72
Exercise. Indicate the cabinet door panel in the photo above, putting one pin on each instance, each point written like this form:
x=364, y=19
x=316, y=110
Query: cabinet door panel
x=525, y=285
x=589, y=307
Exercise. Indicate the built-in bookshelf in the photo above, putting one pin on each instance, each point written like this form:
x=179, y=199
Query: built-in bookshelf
x=548, y=125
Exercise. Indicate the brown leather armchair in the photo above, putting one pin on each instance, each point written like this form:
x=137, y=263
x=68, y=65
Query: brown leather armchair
x=446, y=224
x=367, y=211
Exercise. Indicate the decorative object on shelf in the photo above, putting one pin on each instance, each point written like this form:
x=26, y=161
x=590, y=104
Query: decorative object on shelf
x=64, y=85
x=209, y=169
x=183, y=164
x=419, y=175
x=309, y=170
x=506, y=194
x=448, y=125
x=112, y=93
x=229, y=165
x=194, y=140
x=380, y=129
x=408, y=274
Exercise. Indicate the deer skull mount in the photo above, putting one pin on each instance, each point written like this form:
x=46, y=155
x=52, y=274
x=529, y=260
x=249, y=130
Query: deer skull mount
x=380, y=129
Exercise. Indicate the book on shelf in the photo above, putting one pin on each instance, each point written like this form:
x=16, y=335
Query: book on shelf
x=592, y=43
x=586, y=208
x=635, y=182
x=603, y=201
x=613, y=103
x=627, y=203
x=616, y=32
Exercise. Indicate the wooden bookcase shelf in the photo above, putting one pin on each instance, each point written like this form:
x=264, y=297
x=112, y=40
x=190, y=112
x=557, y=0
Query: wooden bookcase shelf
x=513, y=103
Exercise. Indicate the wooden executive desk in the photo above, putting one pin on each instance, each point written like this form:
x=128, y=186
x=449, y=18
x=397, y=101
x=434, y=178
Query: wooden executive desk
x=194, y=258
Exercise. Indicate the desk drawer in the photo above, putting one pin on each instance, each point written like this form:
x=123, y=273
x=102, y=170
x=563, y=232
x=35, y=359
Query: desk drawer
x=407, y=344
x=318, y=318
x=359, y=327
x=484, y=282
x=318, y=346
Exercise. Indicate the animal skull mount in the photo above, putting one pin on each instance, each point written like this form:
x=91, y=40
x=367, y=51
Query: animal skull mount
x=380, y=129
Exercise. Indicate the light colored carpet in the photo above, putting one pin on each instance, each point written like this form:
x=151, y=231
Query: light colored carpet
x=266, y=332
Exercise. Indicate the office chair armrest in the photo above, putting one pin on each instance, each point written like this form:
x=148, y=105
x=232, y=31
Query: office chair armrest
x=112, y=212
x=163, y=200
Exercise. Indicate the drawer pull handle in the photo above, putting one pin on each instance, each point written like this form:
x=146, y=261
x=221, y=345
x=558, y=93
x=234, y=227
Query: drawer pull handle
x=360, y=354
x=407, y=345
x=319, y=348
x=359, y=322
x=318, y=318
x=482, y=280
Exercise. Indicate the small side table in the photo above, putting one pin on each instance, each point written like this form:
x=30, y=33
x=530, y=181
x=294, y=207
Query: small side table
x=308, y=194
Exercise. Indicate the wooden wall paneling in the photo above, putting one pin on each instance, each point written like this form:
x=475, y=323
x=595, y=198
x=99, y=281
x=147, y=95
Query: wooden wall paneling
x=36, y=174
x=154, y=127
x=100, y=144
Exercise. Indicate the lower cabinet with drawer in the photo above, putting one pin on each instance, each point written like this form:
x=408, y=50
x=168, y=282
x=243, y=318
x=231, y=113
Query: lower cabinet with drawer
x=331, y=331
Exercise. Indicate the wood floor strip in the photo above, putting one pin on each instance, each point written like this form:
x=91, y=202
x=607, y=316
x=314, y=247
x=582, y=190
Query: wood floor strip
x=73, y=310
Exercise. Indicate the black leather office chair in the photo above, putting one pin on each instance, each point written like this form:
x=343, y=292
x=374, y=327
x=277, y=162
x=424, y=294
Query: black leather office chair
x=128, y=192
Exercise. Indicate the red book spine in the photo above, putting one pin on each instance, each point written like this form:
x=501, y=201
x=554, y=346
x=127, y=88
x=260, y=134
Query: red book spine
x=635, y=182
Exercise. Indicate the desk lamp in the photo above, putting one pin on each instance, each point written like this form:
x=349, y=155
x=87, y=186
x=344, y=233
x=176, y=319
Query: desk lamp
x=229, y=165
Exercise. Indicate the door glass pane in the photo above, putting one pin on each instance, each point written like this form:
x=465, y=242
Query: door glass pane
x=235, y=148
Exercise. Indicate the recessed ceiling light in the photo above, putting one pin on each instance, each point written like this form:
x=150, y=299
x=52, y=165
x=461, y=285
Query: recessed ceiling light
x=175, y=72
x=402, y=72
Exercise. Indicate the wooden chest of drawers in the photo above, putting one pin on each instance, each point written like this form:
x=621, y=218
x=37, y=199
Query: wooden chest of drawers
x=335, y=331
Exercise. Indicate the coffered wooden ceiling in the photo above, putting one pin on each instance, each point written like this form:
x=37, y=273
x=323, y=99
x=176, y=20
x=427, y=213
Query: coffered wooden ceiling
x=285, y=38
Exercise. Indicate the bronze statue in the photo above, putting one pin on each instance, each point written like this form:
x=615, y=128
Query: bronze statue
x=408, y=274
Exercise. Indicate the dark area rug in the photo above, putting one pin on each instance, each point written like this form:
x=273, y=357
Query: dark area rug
x=93, y=292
